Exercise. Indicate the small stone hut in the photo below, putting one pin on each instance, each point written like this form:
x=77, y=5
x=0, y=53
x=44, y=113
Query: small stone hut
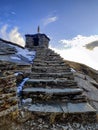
x=38, y=39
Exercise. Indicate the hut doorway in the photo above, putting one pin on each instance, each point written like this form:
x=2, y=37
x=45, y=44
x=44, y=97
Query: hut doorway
x=36, y=41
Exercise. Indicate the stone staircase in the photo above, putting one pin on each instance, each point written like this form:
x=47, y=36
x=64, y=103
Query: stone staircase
x=54, y=91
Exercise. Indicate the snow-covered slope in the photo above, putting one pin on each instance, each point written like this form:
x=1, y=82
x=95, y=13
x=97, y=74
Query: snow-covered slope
x=14, y=53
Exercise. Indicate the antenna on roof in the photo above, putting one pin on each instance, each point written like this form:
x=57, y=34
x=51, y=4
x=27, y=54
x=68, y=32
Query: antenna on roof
x=38, y=29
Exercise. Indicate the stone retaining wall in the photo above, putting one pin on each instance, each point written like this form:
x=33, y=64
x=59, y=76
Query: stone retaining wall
x=8, y=98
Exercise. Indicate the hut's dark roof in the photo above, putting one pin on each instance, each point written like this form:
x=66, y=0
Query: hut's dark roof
x=38, y=34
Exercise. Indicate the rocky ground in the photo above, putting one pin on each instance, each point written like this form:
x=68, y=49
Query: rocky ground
x=87, y=79
x=27, y=122
x=42, y=125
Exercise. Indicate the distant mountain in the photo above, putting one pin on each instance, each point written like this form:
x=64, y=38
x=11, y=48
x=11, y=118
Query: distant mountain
x=92, y=45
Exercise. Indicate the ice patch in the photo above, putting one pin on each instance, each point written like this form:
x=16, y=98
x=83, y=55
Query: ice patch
x=15, y=58
x=30, y=55
x=20, y=87
x=23, y=53
x=72, y=70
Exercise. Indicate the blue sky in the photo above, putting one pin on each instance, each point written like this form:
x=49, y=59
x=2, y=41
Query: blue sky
x=73, y=17
x=59, y=19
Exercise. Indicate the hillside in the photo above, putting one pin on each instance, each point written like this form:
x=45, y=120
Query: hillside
x=39, y=90
x=83, y=69
x=87, y=79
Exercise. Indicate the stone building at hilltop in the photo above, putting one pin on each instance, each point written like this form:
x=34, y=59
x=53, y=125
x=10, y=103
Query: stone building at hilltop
x=38, y=39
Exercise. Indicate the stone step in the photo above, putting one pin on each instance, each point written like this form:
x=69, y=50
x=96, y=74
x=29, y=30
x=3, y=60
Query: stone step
x=45, y=53
x=50, y=69
x=22, y=70
x=49, y=57
x=48, y=61
x=48, y=77
x=68, y=75
x=47, y=107
x=42, y=50
x=50, y=83
x=54, y=94
x=50, y=65
x=74, y=108
x=42, y=97
x=53, y=91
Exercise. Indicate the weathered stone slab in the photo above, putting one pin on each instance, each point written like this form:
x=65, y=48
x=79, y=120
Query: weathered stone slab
x=64, y=107
x=49, y=108
x=50, y=80
x=54, y=91
x=50, y=70
x=80, y=108
x=49, y=65
x=66, y=74
x=51, y=75
x=48, y=62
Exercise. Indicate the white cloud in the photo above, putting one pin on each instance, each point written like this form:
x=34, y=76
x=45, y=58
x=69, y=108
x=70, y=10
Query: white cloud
x=50, y=20
x=16, y=37
x=74, y=50
x=3, y=31
x=13, y=35
x=79, y=40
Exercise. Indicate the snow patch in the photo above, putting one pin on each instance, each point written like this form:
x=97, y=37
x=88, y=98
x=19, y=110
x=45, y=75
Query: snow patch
x=30, y=55
x=25, y=53
x=15, y=58
x=20, y=87
x=17, y=73
x=72, y=70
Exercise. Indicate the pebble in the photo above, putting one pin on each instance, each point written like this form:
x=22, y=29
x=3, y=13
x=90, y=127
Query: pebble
x=76, y=125
x=40, y=120
x=40, y=126
x=45, y=126
x=33, y=123
x=64, y=127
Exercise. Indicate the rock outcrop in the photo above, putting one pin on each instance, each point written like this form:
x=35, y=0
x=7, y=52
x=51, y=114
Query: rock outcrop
x=8, y=98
